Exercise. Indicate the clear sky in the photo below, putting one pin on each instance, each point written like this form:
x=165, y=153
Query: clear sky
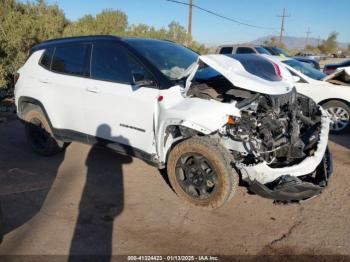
x=322, y=16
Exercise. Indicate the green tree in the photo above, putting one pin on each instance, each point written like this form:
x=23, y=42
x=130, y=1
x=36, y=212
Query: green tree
x=330, y=44
x=23, y=25
x=312, y=49
x=175, y=32
x=108, y=22
x=274, y=42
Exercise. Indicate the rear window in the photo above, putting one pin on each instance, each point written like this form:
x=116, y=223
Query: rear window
x=254, y=64
x=226, y=50
x=47, y=58
x=245, y=50
x=258, y=66
x=71, y=60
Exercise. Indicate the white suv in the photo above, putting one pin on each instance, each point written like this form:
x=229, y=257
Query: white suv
x=209, y=120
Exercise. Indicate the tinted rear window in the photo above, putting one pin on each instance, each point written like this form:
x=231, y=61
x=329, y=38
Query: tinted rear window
x=47, y=58
x=226, y=50
x=245, y=50
x=253, y=64
x=71, y=60
x=258, y=66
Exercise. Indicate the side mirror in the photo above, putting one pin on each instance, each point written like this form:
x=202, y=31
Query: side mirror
x=297, y=79
x=139, y=80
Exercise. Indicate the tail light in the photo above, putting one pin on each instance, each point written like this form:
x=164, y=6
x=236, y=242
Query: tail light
x=278, y=70
x=329, y=70
x=15, y=78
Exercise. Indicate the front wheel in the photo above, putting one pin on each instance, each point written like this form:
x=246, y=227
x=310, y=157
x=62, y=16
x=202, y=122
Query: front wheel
x=201, y=174
x=340, y=116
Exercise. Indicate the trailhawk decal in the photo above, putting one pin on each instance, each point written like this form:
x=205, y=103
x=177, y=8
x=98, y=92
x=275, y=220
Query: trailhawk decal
x=133, y=127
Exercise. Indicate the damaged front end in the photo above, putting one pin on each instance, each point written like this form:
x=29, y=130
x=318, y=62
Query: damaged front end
x=277, y=135
x=279, y=141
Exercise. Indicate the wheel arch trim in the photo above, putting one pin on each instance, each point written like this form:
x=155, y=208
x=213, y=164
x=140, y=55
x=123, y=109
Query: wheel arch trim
x=334, y=99
x=29, y=100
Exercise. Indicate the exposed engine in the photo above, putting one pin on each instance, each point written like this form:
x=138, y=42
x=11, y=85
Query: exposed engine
x=281, y=130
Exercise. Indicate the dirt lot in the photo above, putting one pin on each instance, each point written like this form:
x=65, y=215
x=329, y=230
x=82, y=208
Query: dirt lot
x=93, y=201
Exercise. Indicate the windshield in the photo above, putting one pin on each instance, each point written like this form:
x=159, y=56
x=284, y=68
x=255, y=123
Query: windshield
x=262, y=50
x=305, y=69
x=170, y=58
x=279, y=51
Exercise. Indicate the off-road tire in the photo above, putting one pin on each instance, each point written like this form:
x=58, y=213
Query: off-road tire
x=50, y=146
x=338, y=104
x=221, y=160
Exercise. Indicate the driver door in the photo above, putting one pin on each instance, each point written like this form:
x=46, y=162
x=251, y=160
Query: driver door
x=116, y=109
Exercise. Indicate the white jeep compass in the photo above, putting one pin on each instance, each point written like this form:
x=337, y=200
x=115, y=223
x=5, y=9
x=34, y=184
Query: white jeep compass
x=209, y=120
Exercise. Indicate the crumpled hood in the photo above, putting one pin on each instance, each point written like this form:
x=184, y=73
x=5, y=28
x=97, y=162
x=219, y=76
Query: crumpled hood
x=235, y=72
x=340, y=76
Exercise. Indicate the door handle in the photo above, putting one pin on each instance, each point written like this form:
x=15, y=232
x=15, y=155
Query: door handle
x=93, y=90
x=44, y=81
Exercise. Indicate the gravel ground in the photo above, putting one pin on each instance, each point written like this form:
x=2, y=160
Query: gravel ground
x=94, y=201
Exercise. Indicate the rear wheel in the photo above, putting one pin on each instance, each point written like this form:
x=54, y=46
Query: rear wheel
x=39, y=133
x=340, y=115
x=200, y=172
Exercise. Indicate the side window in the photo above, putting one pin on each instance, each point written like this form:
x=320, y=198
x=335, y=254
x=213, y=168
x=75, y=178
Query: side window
x=71, y=60
x=112, y=62
x=226, y=50
x=47, y=58
x=244, y=50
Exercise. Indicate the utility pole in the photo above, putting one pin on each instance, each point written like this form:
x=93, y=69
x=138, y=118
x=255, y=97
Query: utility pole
x=190, y=19
x=283, y=16
x=307, y=36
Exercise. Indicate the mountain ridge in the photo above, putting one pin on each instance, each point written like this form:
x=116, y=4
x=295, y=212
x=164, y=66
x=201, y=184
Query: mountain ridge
x=293, y=42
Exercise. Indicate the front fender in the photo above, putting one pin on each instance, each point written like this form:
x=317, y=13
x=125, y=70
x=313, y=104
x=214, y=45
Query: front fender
x=203, y=116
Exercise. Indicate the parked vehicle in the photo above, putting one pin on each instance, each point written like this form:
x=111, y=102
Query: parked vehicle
x=330, y=68
x=309, y=56
x=311, y=62
x=274, y=50
x=334, y=98
x=279, y=52
x=241, y=49
x=206, y=119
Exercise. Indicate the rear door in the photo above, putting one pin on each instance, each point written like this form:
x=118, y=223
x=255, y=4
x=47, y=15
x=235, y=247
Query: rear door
x=64, y=84
x=115, y=108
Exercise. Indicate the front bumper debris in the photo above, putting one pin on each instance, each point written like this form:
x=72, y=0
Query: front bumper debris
x=264, y=174
x=288, y=188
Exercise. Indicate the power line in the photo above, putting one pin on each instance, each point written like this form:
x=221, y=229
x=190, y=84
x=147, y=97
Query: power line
x=221, y=16
x=283, y=16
